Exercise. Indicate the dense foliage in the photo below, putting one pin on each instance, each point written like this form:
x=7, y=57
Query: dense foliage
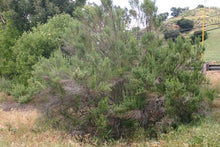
x=186, y=25
x=198, y=34
x=172, y=34
x=28, y=13
x=164, y=16
x=177, y=11
x=99, y=77
x=200, y=6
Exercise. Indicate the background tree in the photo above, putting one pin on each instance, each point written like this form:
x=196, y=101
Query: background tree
x=20, y=16
x=149, y=8
x=177, y=11
x=136, y=12
x=4, y=5
x=164, y=15
x=200, y=6
x=28, y=13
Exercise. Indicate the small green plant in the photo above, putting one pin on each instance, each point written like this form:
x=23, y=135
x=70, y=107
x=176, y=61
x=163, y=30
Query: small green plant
x=21, y=93
x=101, y=121
x=18, y=90
x=5, y=85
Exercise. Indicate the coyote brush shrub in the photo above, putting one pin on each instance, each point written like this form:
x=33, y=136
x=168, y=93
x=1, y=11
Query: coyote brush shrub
x=185, y=25
x=100, y=78
x=198, y=34
x=172, y=34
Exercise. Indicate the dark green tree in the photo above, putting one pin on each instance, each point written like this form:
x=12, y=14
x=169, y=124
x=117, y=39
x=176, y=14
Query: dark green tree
x=164, y=16
x=185, y=25
x=172, y=34
x=149, y=8
x=200, y=6
x=177, y=11
x=4, y=5
x=28, y=13
x=198, y=34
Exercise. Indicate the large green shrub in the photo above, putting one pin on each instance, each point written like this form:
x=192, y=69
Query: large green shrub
x=172, y=34
x=185, y=25
x=41, y=42
x=101, y=79
x=144, y=81
x=164, y=71
x=198, y=34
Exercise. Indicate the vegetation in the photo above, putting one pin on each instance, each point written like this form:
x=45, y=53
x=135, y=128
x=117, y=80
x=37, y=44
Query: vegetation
x=172, y=34
x=164, y=16
x=26, y=14
x=198, y=34
x=15, y=127
x=103, y=79
x=203, y=133
x=185, y=25
x=200, y=6
x=177, y=11
x=212, y=45
x=196, y=15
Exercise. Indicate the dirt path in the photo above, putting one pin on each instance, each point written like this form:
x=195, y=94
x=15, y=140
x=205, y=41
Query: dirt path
x=9, y=106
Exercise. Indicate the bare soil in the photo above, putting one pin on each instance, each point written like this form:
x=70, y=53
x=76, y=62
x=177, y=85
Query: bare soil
x=10, y=106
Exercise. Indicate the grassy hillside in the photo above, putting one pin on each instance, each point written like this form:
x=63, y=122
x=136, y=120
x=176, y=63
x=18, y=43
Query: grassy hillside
x=212, y=16
x=212, y=45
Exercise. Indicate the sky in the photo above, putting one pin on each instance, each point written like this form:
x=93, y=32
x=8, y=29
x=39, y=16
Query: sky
x=165, y=5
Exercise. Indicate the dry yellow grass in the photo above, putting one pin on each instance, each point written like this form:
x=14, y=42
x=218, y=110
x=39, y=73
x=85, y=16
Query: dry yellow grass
x=18, y=128
x=214, y=79
x=18, y=119
x=4, y=97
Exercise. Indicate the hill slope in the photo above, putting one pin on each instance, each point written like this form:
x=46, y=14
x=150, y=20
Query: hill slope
x=212, y=21
x=212, y=45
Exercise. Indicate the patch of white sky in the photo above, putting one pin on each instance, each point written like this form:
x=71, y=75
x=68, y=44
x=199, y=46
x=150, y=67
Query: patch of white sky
x=166, y=5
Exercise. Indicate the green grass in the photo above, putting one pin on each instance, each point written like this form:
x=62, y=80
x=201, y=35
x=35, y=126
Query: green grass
x=212, y=45
x=205, y=133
